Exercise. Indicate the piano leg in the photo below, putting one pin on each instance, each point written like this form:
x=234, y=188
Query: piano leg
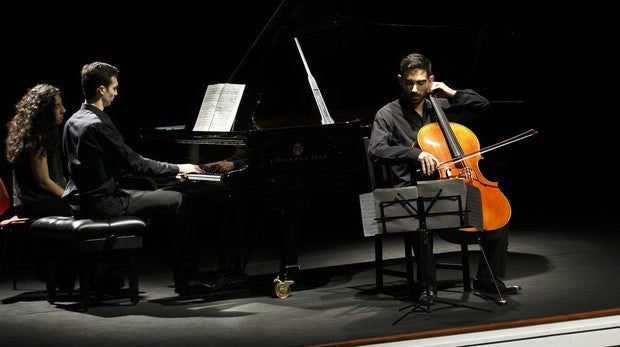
x=289, y=242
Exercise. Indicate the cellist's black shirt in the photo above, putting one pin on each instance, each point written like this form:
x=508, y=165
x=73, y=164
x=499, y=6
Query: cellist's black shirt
x=396, y=127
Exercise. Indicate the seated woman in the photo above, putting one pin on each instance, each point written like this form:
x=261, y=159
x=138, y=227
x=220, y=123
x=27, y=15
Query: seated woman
x=33, y=150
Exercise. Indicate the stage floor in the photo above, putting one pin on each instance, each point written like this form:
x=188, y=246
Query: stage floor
x=567, y=272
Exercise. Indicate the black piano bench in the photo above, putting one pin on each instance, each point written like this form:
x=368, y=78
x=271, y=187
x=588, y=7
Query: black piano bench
x=87, y=243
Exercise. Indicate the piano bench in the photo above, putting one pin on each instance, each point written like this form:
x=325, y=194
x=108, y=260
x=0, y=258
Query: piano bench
x=87, y=243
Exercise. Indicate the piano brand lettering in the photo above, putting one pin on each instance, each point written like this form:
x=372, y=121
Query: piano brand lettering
x=283, y=160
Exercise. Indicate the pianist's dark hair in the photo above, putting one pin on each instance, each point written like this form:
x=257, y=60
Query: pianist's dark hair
x=94, y=75
x=415, y=61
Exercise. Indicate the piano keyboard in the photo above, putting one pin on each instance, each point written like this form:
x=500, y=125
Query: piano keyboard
x=214, y=177
x=231, y=180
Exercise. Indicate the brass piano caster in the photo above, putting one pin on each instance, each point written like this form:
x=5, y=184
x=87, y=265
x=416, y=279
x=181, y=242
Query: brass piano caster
x=282, y=288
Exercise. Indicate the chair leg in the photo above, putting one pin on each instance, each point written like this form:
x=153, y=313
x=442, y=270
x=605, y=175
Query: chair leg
x=85, y=283
x=465, y=263
x=378, y=261
x=17, y=257
x=16, y=249
x=133, y=279
x=4, y=250
x=409, y=262
x=51, y=282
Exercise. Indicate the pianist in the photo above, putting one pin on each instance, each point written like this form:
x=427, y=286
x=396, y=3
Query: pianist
x=96, y=155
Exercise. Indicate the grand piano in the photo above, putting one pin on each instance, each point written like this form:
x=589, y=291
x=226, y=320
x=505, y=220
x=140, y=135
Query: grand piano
x=352, y=51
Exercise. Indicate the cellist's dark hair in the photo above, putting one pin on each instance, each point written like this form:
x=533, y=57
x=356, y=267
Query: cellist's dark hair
x=415, y=61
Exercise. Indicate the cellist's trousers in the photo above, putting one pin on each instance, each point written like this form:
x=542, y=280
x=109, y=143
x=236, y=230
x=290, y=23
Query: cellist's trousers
x=494, y=244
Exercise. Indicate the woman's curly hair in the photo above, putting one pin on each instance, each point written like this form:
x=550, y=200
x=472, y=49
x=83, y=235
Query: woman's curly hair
x=33, y=128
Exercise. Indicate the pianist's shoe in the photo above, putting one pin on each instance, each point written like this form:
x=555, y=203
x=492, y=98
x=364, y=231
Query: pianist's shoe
x=197, y=284
x=485, y=285
x=233, y=275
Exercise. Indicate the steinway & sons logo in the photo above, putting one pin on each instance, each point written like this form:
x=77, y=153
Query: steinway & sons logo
x=298, y=156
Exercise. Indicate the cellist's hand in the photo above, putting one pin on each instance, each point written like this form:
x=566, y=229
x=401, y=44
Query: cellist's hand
x=428, y=163
x=441, y=90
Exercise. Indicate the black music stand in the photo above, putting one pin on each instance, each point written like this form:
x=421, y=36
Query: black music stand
x=421, y=212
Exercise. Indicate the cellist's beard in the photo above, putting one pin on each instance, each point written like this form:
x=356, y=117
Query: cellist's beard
x=415, y=98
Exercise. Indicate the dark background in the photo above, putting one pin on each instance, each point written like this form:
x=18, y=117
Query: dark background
x=538, y=73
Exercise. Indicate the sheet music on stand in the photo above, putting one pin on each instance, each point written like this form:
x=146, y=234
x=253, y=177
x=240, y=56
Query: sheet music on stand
x=386, y=210
x=369, y=217
x=219, y=107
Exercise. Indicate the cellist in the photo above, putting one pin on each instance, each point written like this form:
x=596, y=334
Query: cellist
x=393, y=143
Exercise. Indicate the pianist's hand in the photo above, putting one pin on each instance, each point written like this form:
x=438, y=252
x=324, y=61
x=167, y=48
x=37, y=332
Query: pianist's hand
x=218, y=166
x=189, y=168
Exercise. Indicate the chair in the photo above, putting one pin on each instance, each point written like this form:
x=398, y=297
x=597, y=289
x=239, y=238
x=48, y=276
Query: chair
x=438, y=207
x=380, y=180
x=12, y=229
x=86, y=244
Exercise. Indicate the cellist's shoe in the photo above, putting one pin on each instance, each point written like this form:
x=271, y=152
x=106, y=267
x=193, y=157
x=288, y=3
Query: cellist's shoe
x=427, y=298
x=485, y=285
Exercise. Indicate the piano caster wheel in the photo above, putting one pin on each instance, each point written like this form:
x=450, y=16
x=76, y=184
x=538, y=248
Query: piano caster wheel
x=282, y=288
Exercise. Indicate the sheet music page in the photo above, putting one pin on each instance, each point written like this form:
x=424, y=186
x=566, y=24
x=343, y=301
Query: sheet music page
x=219, y=107
x=369, y=215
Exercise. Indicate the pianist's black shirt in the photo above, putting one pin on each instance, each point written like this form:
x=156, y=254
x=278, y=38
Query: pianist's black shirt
x=96, y=156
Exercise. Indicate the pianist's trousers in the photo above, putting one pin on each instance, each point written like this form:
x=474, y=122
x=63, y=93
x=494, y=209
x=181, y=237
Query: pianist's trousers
x=221, y=221
x=169, y=216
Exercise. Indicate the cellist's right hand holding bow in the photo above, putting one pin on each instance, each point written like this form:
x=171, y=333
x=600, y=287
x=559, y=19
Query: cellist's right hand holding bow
x=428, y=163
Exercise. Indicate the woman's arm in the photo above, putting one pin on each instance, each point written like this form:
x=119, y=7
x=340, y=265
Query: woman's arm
x=40, y=172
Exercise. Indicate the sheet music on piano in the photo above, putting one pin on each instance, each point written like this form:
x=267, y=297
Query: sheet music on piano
x=219, y=107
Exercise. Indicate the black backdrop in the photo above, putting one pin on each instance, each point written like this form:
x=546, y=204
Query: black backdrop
x=169, y=54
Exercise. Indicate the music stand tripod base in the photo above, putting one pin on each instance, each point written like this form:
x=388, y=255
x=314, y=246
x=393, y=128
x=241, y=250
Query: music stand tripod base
x=451, y=208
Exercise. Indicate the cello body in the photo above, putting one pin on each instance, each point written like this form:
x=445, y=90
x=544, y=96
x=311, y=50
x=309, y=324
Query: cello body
x=448, y=142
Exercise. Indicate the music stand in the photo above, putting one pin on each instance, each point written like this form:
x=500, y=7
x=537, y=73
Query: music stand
x=449, y=213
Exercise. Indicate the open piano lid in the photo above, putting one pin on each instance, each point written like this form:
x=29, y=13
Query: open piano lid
x=353, y=51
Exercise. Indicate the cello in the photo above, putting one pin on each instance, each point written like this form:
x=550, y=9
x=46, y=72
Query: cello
x=458, y=151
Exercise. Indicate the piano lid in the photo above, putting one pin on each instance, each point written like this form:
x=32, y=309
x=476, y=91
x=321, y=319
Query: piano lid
x=353, y=51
